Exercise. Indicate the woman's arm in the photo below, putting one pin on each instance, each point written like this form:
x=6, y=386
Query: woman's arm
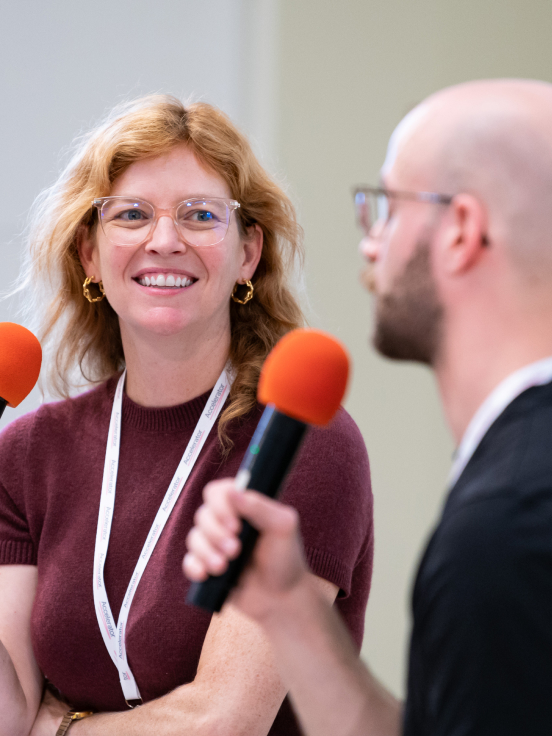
x=237, y=689
x=21, y=681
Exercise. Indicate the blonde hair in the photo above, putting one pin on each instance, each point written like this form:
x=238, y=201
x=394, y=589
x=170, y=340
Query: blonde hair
x=87, y=335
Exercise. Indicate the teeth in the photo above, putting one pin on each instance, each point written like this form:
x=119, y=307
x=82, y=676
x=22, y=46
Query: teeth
x=166, y=280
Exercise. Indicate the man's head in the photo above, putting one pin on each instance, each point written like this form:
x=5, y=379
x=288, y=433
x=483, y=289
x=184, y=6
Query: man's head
x=488, y=145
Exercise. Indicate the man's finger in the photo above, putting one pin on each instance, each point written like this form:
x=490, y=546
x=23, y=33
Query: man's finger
x=194, y=569
x=215, y=561
x=216, y=533
x=216, y=495
x=265, y=514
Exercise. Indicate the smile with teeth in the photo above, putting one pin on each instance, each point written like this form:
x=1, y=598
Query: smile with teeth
x=166, y=280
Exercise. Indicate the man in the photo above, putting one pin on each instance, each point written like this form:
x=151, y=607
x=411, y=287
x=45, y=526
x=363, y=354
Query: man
x=462, y=279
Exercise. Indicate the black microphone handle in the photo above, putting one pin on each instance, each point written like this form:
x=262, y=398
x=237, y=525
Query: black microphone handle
x=3, y=404
x=268, y=459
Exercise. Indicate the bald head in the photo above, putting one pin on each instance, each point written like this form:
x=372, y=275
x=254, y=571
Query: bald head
x=492, y=139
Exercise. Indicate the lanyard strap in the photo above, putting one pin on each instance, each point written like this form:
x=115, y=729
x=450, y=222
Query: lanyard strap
x=114, y=634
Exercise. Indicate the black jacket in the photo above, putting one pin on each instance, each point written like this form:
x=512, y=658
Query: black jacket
x=481, y=648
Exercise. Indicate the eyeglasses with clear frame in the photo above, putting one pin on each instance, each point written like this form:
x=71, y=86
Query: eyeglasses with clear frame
x=372, y=203
x=129, y=221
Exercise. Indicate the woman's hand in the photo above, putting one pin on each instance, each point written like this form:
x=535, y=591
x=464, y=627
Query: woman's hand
x=277, y=564
x=49, y=717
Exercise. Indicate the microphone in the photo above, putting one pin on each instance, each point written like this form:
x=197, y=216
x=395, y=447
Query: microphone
x=302, y=382
x=20, y=361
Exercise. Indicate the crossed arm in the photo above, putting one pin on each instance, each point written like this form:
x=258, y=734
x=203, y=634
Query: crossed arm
x=333, y=693
x=237, y=690
x=20, y=679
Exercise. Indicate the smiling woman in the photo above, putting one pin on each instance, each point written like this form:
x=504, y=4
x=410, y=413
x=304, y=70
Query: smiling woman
x=166, y=251
x=155, y=135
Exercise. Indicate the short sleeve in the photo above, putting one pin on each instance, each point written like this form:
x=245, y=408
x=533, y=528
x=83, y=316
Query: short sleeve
x=481, y=658
x=330, y=488
x=16, y=544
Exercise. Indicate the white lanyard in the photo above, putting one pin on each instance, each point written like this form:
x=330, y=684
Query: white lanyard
x=114, y=636
x=535, y=374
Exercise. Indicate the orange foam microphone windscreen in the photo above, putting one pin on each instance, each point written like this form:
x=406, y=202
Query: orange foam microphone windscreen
x=20, y=360
x=305, y=376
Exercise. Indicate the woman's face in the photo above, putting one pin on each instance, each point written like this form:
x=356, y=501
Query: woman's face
x=211, y=271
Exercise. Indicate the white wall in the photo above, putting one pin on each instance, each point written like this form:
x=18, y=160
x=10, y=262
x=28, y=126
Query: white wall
x=65, y=63
x=349, y=71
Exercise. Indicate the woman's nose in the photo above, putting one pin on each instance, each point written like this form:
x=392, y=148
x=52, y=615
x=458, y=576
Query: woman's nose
x=165, y=237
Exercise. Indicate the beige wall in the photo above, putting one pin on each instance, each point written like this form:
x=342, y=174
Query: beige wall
x=349, y=71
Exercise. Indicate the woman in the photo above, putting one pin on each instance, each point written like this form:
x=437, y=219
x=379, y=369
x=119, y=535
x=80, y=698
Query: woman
x=168, y=249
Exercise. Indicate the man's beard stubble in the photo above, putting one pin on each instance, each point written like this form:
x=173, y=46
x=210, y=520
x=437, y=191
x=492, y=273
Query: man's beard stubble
x=409, y=319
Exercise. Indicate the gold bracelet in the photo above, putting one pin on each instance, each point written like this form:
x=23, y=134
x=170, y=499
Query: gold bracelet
x=69, y=717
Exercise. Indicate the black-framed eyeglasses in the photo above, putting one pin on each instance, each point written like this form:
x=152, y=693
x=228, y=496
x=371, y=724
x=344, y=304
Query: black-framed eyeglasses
x=372, y=203
x=200, y=222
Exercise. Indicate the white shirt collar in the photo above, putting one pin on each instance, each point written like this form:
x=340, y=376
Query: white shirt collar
x=534, y=374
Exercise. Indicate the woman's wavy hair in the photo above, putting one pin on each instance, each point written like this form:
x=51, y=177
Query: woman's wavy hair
x=86, y=336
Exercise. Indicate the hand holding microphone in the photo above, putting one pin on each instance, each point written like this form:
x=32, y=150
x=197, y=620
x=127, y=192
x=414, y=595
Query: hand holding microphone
x=20, y=361
x=278, y=560
x=302, y=382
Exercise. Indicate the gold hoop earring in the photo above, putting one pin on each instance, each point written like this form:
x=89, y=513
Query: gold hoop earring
x=247, y=296
x=86, y=290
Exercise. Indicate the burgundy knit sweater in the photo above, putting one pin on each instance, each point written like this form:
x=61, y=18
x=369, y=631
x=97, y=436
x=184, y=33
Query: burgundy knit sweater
x=51, y=464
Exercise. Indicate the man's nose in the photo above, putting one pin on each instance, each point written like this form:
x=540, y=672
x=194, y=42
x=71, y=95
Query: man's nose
x=165, y=237
x=368, y=248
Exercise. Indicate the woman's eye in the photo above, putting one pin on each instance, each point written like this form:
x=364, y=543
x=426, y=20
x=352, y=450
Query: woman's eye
x=204, y=216
x=199, y=217
x=131, y=216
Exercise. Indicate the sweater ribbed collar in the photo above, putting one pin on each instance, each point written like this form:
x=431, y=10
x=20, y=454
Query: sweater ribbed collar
x=163, y=419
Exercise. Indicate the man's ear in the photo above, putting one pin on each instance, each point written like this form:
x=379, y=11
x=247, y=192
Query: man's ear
x=465, y=240
x=86, y=247
x=252, y=250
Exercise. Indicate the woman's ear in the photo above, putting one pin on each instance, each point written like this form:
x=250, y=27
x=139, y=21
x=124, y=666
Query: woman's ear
x=86, y=247
x=252, y=250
